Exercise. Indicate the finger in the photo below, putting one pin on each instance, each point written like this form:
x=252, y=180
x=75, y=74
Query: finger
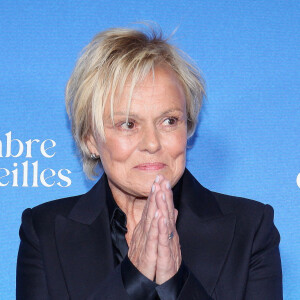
x=152, y=191
x=154, y=188
x=166, y=266
x=161, y=203
x=148, y=255
x=176, y=214
x=140, y=233
x=151, y=206
x=163, y=249
x=173, y=242
x=152, y=239
x=175, y=247
x=166, y=187
x=162, y=206
x=168, y=250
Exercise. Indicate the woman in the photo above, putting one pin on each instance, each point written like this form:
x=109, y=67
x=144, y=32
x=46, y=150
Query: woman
x=147, y=229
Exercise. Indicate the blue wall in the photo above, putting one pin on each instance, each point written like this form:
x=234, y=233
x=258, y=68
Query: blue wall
x=248, y=141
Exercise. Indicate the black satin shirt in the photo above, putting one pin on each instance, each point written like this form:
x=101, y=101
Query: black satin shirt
x=136, y=284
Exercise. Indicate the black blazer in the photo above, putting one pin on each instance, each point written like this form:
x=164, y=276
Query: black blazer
x=229, y=244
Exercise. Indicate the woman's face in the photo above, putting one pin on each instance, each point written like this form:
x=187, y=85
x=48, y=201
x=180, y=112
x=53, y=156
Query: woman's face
x=152, y=142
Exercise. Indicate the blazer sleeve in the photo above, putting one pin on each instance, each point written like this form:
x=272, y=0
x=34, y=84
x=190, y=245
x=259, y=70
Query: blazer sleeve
x=265, y=275
x=31, y=281
x=111, y=288
x=193, y=289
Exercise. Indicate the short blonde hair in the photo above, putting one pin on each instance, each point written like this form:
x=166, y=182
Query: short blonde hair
x=111, y=58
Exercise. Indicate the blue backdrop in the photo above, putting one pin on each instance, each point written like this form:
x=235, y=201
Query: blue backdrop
x=248, y=141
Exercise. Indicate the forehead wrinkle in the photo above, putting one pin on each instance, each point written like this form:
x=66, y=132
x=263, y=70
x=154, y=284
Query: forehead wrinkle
x=124, y=113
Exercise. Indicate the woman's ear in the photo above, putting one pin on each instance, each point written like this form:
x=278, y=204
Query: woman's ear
x=92, y=144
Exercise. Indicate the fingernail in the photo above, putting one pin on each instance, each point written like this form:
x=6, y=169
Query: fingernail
x=153, y=188
x=156, y=214
x=164, y=196
x=168, y=185
x=157, y=178
x=165, y=221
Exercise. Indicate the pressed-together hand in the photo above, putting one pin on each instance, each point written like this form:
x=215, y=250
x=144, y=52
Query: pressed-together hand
x=154, y=248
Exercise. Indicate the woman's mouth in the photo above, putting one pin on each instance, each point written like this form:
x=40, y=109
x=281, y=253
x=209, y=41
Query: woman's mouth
x=150, y=166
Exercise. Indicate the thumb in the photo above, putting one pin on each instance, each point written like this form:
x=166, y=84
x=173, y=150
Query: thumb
x=176, y=214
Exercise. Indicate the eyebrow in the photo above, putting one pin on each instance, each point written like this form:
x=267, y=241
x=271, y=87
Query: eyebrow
x=124, y=113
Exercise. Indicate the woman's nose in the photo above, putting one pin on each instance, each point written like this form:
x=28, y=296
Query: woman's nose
x=150, y=140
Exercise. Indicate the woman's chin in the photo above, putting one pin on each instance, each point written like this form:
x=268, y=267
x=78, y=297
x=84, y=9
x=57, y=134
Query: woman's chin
x=142, y=189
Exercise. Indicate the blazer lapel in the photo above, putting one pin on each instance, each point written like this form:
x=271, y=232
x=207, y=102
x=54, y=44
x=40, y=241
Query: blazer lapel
x=205, y=233
x=84, y=243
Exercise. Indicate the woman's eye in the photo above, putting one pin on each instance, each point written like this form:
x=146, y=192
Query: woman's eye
x=170, y=121
x=127, y=125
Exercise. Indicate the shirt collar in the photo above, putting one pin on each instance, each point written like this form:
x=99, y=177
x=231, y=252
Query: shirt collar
x=114, y=211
